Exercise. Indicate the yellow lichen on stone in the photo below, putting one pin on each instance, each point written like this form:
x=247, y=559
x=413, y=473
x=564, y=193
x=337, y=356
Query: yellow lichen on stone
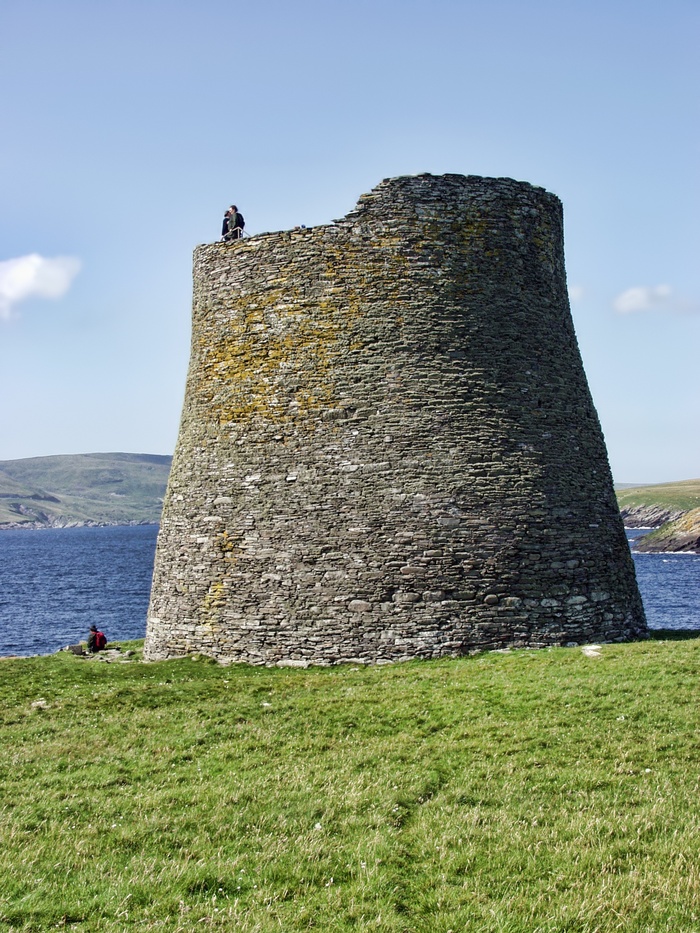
x=214, y=601
x=226, y=543
x=245, y=371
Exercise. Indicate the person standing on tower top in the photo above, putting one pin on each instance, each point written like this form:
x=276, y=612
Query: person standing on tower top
x=224, y=225
x=232, y=228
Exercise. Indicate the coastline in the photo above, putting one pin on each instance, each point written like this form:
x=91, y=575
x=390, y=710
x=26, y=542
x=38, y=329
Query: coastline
x=43, y=526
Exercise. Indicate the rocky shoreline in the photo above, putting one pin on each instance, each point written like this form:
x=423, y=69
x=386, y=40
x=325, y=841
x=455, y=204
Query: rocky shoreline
x=648, y=516
x=61, y=523
x=681, y=535
x=111, y=654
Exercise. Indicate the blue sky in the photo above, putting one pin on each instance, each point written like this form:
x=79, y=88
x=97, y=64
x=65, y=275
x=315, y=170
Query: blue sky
x=128, y=128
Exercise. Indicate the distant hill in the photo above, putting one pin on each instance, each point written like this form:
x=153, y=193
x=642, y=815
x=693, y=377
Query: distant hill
x=673, y=509
x=82, y=489
x=652, y=506
x=127, y=489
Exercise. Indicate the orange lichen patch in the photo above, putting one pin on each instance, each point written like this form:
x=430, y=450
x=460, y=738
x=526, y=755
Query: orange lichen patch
x=227, y=544
x=215, y=598
x=217, y=593
x=246, y=374
x=273, y=359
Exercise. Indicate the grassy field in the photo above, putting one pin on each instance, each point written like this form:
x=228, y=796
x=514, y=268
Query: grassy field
x=525, y=791
x=113, y=488
x=683, y=496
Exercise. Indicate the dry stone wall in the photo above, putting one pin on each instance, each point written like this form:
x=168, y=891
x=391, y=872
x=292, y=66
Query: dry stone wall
x=388, y=448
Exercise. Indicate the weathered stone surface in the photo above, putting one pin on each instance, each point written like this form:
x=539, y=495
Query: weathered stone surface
x=389, y=417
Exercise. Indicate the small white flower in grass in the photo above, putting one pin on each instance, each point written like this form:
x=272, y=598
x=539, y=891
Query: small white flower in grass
x=647, y=770
x=266, y=704
x=620, y=718
x=318, y=826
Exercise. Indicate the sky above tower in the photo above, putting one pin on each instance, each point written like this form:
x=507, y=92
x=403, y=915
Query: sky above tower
x=128, y=129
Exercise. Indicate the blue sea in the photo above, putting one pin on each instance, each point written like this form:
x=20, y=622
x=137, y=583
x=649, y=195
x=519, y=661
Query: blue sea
x=55, y=583
x=670, y=586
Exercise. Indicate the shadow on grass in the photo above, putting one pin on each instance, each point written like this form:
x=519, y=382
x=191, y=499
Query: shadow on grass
x=674, y=634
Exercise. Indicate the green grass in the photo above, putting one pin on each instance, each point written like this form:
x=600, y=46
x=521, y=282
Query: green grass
x=683, y=496
x=527, y=791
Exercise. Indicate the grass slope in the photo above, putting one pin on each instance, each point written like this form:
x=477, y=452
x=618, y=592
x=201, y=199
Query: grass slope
x=109, y=488
x=683, y=496
x=522, y=792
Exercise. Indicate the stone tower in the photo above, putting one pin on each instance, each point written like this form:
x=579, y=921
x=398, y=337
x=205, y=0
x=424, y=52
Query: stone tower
x=388, y=448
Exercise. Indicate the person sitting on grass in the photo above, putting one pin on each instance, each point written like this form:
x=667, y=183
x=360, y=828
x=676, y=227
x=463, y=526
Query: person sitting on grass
x=97, y=640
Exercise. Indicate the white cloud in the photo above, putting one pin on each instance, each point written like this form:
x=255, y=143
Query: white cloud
x=650, y=298
x=576, y=293
x=34, y=275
